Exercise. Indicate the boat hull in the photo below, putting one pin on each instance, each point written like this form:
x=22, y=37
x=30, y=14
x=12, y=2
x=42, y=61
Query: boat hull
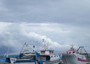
x=72, y=59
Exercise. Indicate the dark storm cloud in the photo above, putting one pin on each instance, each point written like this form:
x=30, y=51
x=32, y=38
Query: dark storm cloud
x=74, y=15
x=72, y=12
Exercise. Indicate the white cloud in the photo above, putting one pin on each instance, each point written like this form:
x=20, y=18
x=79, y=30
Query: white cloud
x=14, y=35
x=3, y=26
x=61, y=37
x=64, y=21
x=49, y=43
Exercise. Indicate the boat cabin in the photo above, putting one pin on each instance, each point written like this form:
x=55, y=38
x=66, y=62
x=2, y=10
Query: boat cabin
x=47, y=52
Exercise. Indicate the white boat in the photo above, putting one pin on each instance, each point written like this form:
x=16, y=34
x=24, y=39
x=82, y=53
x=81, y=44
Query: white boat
x=33, y=57
x=26, y=57
x=54, y=58
x=73, y=56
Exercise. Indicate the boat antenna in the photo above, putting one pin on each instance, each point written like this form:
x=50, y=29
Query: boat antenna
x=6, y=54
x=22, y=47
x=25, y=44
x=45, y=46
x=81, y=50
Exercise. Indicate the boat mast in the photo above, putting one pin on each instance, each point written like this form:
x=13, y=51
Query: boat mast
x=45, y=44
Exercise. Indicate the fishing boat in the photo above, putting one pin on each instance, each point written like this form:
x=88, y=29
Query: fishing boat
x=54, y=58
x=26, y=57
x=76, y=56
x=45, y=54
x=29, y=55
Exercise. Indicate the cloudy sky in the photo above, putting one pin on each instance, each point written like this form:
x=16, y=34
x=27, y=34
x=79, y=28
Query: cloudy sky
x=60, y=22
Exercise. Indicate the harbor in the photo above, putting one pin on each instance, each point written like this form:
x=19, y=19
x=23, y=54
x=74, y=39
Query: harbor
x=29, y=55
x=47, y=56
x=44, y=31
